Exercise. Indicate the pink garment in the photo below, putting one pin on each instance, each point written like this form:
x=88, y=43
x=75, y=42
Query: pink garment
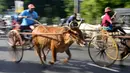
x=106, y=20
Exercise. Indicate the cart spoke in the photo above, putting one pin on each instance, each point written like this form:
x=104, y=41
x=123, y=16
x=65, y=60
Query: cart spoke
x=99, y=51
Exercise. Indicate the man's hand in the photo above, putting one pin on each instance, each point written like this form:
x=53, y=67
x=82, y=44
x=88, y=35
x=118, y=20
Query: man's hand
x=110, y=22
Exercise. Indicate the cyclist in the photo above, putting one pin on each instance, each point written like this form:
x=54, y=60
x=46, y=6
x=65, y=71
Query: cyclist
x=107, y=22
x=72, y=18
x=67, y=21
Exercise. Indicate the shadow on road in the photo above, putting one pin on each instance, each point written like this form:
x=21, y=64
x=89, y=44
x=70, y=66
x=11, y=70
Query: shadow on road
x=74, y=66
x=23, y=67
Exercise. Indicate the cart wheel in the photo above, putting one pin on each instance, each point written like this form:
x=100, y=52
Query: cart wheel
x=15, y=48
x=101, y=50
x=121, y=49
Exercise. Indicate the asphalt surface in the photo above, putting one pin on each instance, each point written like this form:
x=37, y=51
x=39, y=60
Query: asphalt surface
x=80, y=62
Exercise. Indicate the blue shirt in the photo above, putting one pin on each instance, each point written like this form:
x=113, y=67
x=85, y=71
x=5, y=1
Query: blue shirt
x=70, y=19
x=28, y=21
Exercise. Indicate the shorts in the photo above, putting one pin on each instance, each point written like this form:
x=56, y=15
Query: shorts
x=107, y=28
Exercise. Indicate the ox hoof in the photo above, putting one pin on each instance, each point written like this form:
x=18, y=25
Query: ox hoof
x=51, y=62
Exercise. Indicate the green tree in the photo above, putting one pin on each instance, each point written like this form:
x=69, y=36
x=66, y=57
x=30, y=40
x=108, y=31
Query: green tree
x=69, y=7
x=3, y=6
x=92, y=10
x=127, y=4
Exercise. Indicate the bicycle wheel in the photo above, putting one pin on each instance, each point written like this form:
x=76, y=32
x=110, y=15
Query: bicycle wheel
x=15, y=48
x=99, y=51
x=121, y=49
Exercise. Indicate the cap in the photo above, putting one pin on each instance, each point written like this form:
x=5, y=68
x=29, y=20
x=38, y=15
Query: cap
x=107, y=9
x=31, y=6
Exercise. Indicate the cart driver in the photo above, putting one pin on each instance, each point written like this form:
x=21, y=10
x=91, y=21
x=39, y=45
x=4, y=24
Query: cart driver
x=107, y=22
x=26, y=17
x=27, y=22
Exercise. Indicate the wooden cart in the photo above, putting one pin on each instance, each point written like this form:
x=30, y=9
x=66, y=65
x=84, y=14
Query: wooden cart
x=107, y=47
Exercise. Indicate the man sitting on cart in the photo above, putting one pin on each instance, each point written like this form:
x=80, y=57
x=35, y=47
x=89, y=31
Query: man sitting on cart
x=27, y=16
x=107, y=22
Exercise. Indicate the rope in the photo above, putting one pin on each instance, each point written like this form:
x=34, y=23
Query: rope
x=35, y=20
x=41, y=33
x=38, y=23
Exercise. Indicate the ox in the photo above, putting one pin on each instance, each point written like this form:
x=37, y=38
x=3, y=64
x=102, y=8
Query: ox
x=90, y=30
x=55, y=43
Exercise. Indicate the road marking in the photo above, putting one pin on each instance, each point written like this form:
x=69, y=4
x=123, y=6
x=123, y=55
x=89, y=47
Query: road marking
x=103, y=67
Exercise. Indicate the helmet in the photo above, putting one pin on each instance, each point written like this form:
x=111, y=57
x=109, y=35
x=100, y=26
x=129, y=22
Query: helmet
x=78, y=17
x=31, y=6
x=107, y=9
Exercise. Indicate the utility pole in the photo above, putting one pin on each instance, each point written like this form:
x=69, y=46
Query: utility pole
x=76, y=6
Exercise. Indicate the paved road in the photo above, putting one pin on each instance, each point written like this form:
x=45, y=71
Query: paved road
x=80, y=63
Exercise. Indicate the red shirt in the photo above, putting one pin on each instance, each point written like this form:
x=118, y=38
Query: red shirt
x=106, y=20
